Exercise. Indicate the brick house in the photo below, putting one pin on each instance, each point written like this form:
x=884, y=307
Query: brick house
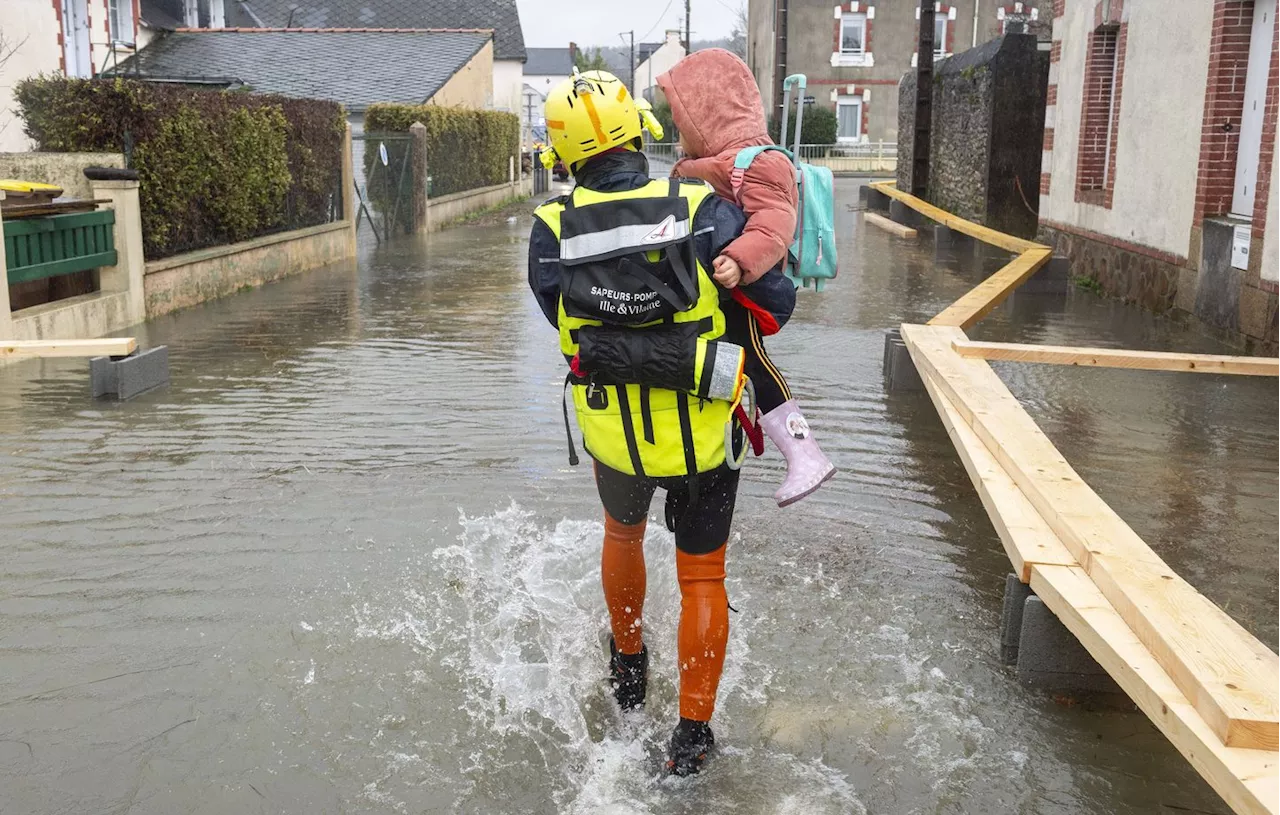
x=1159, y=153
x=855, y=52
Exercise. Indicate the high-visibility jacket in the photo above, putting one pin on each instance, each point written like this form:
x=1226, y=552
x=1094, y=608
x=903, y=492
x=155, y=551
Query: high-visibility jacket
x=636, y=303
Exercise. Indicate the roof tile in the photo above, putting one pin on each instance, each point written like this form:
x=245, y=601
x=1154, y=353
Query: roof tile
x=356, y=67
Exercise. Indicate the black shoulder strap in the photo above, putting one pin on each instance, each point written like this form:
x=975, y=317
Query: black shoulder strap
x=673, y=187
x=662, y=289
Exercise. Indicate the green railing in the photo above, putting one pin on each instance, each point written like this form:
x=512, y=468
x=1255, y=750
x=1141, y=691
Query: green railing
x=39, y=248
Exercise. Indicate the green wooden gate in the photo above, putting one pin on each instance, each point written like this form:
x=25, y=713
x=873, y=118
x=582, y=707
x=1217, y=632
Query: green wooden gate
x=55, y=245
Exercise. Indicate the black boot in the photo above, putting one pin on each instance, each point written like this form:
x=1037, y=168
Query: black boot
x=690, y=744
x=629, y=675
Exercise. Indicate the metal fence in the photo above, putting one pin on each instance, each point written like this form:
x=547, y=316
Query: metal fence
x=662, y=155
x=384, y=182
x=862, y=158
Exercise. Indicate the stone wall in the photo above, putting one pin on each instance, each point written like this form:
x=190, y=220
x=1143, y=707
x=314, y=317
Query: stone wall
x=66, y=170
x=1227, y=305
x=186, y=280
x=1139, y=278
x=987, y=133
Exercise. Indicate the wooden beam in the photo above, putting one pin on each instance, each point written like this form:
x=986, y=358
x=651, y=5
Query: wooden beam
x=1228, y=674
x=1246, y=779
x=109, y=347
x=1119, y=358
x=985, y=234
x=889, y=225
x=981, y=299
x=1027, y=539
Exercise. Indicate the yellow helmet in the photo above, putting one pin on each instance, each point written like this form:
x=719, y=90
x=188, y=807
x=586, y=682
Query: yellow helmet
x=587, y=114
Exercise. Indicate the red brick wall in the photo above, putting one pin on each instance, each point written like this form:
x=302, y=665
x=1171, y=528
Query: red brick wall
x=1262, y=190
x=1100, y=85
x=1122, y=42
x=62, y=52
x=1223, y=106
x=1051, y=95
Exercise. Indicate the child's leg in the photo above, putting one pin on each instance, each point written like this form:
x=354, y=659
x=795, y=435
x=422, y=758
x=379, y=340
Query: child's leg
x=807, y=466
x=742, y=329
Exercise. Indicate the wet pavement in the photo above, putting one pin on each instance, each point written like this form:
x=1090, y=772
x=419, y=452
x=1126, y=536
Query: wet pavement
x=340, y=564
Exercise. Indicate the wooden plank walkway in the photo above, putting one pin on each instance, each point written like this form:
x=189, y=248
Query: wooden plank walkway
x=1207, y=684
x=1119, y=358
x=109, y=347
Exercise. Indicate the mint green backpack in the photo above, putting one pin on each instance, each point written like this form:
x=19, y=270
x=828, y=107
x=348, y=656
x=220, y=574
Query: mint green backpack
x=812, y=257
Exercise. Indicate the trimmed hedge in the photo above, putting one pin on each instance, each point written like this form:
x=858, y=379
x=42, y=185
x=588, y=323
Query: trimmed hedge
x=215, y=167
x=466, y=149
x=818, y=127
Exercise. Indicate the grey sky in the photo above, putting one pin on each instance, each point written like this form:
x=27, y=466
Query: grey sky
x=554, y=23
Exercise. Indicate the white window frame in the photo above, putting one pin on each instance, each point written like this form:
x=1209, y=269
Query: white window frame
x=861, y=21
x=940, y=43
x=120, y=22
x=938, y=14
x=863, y=13
x=849, y=101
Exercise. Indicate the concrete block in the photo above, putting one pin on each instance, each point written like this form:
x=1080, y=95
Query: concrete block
x=901, y=213
x=949, y=244
x=1050, y=657
x=126, y=377
x=884, y=356
x=990, y=259
x=1015, y=597
x=900, y=372
x=877, y=200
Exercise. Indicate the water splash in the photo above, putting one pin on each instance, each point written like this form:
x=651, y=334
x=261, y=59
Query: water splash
x=520, y=625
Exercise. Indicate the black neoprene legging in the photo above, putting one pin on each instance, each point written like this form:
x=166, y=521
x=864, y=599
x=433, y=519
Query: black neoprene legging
x=741, y=328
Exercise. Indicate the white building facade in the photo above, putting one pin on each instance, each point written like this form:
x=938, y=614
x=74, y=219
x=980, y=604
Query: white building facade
x=1159, y=156
x=73, y=37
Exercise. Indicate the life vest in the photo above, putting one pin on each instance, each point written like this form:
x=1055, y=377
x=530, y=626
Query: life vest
x=631, y=283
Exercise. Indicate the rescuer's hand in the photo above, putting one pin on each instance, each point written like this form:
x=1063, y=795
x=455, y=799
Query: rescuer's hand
x=727, y=271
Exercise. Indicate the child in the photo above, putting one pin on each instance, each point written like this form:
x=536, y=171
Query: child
x=716, y=106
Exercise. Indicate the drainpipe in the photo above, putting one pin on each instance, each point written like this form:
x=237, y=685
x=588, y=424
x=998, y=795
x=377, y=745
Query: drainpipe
x=976, y=3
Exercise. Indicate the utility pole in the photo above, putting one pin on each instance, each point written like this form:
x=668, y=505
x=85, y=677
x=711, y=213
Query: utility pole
x=631, y=76
x=688, y=43
x=924, y=103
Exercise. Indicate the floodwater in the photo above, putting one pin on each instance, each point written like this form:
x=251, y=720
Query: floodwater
x=340, y=564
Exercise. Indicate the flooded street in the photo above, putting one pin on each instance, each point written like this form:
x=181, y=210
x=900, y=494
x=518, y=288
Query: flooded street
x=340, y=564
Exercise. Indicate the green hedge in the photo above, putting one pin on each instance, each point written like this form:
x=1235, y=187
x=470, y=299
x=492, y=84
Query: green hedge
x=818, y=127
x=662, y=112
x=215, y=167
x=466, y=149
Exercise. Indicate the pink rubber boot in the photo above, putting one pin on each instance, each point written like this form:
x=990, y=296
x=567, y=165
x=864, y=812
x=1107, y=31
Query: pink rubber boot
x=807, y=465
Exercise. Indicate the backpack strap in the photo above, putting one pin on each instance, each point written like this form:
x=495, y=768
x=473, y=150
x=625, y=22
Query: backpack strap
x=743, y=160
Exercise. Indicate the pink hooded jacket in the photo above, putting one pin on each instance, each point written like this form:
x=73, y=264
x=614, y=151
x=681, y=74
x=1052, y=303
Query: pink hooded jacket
x=716, y=106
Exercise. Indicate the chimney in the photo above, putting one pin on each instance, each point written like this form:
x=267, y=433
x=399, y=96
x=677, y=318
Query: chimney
x=573, y=53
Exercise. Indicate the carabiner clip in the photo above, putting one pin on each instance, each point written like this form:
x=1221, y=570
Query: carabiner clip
x=747, y=395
